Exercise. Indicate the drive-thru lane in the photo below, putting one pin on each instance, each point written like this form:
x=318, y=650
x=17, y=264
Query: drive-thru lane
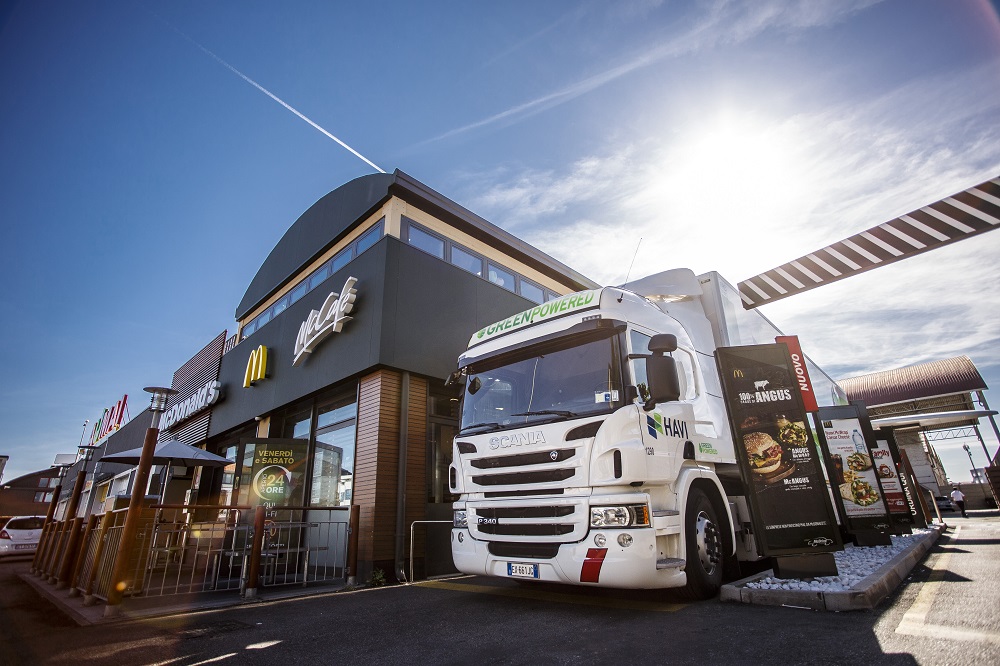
x=946, y=613
x=952, y=602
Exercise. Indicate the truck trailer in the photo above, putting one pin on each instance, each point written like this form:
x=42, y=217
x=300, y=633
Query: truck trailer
x=595, y=447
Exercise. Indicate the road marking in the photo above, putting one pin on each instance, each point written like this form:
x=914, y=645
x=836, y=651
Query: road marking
x=914, y=620
x=558, y=597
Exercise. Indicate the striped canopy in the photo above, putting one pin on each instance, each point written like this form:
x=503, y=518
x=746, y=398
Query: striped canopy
x=968, y=213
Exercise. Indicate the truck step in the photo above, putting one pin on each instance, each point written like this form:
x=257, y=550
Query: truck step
x=659, y=513
x=670, y=563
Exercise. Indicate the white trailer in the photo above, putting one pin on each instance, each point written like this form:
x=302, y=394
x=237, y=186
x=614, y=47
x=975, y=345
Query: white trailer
x=587, y=456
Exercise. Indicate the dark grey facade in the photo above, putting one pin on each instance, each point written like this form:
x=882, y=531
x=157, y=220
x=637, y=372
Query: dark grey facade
x=413, y=313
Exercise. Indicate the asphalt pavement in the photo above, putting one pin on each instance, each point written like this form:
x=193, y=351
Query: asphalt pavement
x=946, y=612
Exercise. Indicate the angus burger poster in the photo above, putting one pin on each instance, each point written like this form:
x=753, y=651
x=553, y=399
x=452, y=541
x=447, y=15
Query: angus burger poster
x=776, y=451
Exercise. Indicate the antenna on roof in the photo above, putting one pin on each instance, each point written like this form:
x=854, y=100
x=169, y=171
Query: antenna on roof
x=629, y=273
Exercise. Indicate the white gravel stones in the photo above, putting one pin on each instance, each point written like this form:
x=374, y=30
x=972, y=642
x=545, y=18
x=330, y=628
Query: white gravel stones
x=854, y=564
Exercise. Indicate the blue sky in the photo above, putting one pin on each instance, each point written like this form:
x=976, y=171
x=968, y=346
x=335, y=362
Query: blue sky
x=143, y=182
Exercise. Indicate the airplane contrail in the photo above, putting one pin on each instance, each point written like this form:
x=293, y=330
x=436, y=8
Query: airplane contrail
x=275, y=98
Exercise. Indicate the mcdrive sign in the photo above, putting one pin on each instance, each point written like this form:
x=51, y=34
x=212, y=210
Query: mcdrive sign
x=776, y=452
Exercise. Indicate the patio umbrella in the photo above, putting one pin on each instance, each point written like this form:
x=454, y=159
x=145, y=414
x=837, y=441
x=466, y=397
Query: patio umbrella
x=170, y=453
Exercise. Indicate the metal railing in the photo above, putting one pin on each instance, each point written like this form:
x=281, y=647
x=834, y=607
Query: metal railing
x=299, y=546
x=183, y=549
x=413, y=538
x=185, y=554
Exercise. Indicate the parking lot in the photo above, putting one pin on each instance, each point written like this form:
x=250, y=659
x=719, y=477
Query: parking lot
x=946, y=612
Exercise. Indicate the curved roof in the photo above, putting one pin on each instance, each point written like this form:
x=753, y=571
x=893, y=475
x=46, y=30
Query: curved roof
x=924, y=380
x=316, y=230
x=330, y=218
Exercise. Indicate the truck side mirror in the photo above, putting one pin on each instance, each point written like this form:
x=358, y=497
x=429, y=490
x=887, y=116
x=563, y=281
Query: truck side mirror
x=664, y=383
x=663, y=343
x=661, y=371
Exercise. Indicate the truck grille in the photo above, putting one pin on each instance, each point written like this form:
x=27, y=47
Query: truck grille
x=523, y=521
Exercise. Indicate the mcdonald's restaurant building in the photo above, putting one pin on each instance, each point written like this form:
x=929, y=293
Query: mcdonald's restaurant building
x=336, y=373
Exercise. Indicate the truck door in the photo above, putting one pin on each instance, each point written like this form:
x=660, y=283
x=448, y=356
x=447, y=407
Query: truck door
x=666, y=428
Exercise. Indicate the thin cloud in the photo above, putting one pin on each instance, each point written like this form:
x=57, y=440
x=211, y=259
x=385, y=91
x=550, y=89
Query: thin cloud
x=723, y=22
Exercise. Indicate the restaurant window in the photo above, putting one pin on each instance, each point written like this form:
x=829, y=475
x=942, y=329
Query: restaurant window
x=342, y=259
x=370, y=237
x=280, y=306
x=333, y=459
x=424, y=240
x=297, y=425
x=321, y=274
x=532, y=292
x=467, y=260
x=299, y=292
x=501, y=277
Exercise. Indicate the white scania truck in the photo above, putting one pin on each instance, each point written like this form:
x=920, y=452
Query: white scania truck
x=595, y=447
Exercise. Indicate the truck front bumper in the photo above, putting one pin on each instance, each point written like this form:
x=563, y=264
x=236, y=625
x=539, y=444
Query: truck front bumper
x=582, y=563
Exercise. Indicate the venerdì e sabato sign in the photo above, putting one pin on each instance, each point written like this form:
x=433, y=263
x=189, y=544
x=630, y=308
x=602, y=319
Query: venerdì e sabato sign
x=204, y=398
x=328, y=319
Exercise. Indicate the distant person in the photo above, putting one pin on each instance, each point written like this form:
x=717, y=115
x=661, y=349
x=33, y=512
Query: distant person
x=958, y=497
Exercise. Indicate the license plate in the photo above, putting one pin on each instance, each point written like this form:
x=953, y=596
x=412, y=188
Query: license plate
x=519, y=570
x=23, y=546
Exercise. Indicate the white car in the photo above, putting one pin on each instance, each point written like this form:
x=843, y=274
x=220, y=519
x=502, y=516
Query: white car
x=20, y=535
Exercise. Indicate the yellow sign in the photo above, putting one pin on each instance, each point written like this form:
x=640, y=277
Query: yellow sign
x=256, y=367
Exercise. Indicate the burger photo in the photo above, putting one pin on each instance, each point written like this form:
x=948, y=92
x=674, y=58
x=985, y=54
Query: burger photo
x=763, y=452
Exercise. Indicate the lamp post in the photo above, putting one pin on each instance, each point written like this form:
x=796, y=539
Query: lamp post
x=968, y=451
x=119, y=581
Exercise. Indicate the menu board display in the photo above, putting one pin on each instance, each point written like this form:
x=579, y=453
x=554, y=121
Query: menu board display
x=852, y=469
x=778, y=458
x=885, y=467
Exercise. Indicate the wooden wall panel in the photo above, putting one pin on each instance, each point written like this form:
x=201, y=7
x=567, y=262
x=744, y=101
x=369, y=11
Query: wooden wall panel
x=377, y=462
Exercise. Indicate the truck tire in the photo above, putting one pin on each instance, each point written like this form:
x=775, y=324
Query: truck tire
x=704, y=547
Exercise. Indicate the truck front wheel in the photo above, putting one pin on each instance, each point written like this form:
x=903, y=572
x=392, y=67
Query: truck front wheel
x=704, y=547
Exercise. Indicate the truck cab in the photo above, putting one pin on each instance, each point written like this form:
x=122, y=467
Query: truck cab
x=593, y=447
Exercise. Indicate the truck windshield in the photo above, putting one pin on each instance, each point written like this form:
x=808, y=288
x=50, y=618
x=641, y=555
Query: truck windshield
x=542, y=385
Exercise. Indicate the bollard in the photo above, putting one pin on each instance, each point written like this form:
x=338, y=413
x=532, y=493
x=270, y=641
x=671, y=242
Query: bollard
x=352, y=544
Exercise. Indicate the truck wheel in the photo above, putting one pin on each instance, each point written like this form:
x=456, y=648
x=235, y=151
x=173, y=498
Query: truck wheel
x=705, y=547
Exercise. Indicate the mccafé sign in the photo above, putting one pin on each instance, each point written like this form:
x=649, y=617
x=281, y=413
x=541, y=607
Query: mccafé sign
x=328, y=319
x=203, y=398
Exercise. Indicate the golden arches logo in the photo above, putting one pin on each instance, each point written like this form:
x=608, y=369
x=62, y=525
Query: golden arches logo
x=256, y=367
x=738, y=374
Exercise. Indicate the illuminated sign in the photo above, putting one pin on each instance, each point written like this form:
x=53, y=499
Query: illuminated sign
x=109, y=422
x=204, y=398
x=328, y=319
x=256, y=367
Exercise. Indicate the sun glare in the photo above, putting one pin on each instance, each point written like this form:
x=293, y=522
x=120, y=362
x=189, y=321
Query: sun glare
x=746, y=180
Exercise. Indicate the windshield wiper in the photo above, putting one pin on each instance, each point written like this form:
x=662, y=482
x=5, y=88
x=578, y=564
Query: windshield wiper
x=548, y=412
x=491, y=426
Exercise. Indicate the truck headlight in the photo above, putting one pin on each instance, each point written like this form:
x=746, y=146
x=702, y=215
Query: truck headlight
x=461, y=519
x=630, y=515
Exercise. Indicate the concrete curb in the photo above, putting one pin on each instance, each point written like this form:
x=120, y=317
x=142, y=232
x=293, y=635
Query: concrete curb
x=866, y=595
x=135, y=609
